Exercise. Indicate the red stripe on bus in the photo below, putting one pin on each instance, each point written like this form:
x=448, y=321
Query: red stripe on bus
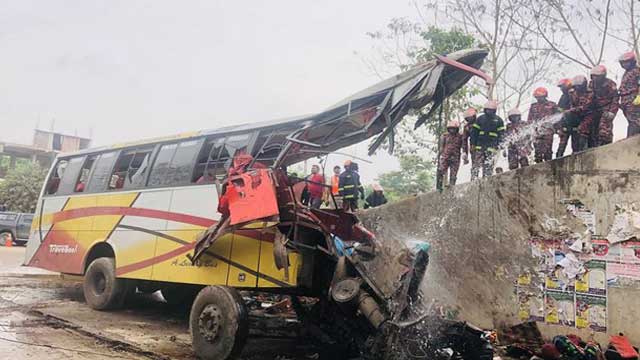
x=154, y=260
x=130, y=211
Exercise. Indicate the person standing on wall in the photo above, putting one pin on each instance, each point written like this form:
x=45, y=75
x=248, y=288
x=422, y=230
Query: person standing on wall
x=449, y=147
x=539, y=114
x=629, y=88
x=486, y=134
x=470, y=116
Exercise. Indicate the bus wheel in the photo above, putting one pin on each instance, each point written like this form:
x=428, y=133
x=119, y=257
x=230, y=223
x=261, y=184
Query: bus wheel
x=218, y=323
x=102, y=290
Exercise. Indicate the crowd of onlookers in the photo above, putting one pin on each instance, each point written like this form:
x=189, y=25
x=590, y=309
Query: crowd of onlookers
x=344, y=189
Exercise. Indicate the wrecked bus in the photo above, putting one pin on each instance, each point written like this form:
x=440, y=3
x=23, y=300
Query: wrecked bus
x=145, y=216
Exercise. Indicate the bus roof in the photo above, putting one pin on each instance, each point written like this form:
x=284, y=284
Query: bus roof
x=414, y=88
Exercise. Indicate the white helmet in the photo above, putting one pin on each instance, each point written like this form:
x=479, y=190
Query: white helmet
x=513, y=112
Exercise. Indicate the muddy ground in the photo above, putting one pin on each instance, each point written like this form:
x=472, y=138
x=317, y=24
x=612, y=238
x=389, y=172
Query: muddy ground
x=44, y=317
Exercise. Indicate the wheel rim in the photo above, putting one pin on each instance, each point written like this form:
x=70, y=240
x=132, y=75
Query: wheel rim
x=99, y=283
x=209, y=322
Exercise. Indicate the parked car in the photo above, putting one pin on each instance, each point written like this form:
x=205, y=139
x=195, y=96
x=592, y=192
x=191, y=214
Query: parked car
x=18, y=225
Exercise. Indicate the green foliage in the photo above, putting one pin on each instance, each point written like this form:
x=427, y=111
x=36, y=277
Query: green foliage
x=416, y=175
x=21, y=187
x=442, y=42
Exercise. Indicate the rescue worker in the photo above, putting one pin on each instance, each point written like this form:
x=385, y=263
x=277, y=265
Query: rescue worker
x=629, y=98
x=376, y=198
x=539, y=117
x=349, y=183
x=469, y=116
x=449, y=147
x=568, y=125
x=335, y=181
x=486, y=135
x=604, y=105
x=518, y=143
x=580, y=108
x=315, y=187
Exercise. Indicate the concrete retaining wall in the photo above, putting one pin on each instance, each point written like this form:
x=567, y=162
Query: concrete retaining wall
x=481, y=233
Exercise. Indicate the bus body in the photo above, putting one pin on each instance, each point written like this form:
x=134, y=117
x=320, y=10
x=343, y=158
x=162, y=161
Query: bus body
x=148, y=202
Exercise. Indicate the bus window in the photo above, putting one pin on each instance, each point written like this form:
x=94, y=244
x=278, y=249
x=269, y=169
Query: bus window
x=174, y=163
x=70, y=175
x=81, y=184
x=269, y=145
x=215, y=164
x=101, y=173
x=56, y=175
x=131, y=169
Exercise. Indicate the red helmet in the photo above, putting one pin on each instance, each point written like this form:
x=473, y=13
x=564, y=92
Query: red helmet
x=566, y=83
x=469, y=113
x=628, y=56
x=579, y=80
x=491, y=105
x=453, y=124
x=599, y=70
x=540, y=92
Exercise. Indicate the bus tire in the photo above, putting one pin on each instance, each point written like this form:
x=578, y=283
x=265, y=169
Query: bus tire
x=218, y=323
x=102, y=289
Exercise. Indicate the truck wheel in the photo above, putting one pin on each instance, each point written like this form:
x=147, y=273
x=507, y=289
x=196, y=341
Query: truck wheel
x=102, y=290
x=218, y=323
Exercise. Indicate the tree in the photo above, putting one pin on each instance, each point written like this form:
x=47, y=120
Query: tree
x=416, y=175
x=21, y=187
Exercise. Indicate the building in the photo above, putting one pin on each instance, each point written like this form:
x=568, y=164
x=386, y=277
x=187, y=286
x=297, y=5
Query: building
x=46, y=145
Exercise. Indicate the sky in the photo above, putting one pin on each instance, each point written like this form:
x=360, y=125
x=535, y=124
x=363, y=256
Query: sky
x=128, y=70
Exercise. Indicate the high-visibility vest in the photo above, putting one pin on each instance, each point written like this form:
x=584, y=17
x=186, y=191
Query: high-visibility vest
x=335, y=184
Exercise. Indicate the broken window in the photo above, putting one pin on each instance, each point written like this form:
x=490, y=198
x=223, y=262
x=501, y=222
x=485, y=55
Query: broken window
x=69, y=175
x=101, y=172
x=269, y=145
x=130, y=169
x=215, y=157
x=83, y=178
x=174, y=163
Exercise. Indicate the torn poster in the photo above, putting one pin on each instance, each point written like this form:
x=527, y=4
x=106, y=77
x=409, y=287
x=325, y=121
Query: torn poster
x=594, y=280
x=626, y=225
x=591, y=312
x=559, y=308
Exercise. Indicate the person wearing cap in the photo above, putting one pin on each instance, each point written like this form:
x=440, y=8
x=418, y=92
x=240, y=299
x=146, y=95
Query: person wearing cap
x=449, y=148
x=486, y=136
x=604, y=106
x=376, y=198
x=567, y=127
x=348, y=187
x=539, y=116
x=517, y=141
x=581, y=109
x=629, y=97
x=469, y=116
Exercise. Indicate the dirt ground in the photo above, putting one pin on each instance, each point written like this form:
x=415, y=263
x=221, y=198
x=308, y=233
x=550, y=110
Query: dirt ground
x=44, y=316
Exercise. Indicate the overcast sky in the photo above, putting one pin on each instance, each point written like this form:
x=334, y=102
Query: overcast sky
x=134, y=69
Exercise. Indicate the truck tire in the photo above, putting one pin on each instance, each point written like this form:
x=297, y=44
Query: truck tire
x=218, y=323
x=102, y=289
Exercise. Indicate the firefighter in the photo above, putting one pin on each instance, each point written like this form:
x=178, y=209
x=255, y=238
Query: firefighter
x=629, y=98
x=580, y=108
x=469, y=119
x=539, y=116
x=518, y=143
x=604, y=105
x=568, y=125
x=376, y=198
x=449, y=147
x=486, y=135
x=349, y=185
